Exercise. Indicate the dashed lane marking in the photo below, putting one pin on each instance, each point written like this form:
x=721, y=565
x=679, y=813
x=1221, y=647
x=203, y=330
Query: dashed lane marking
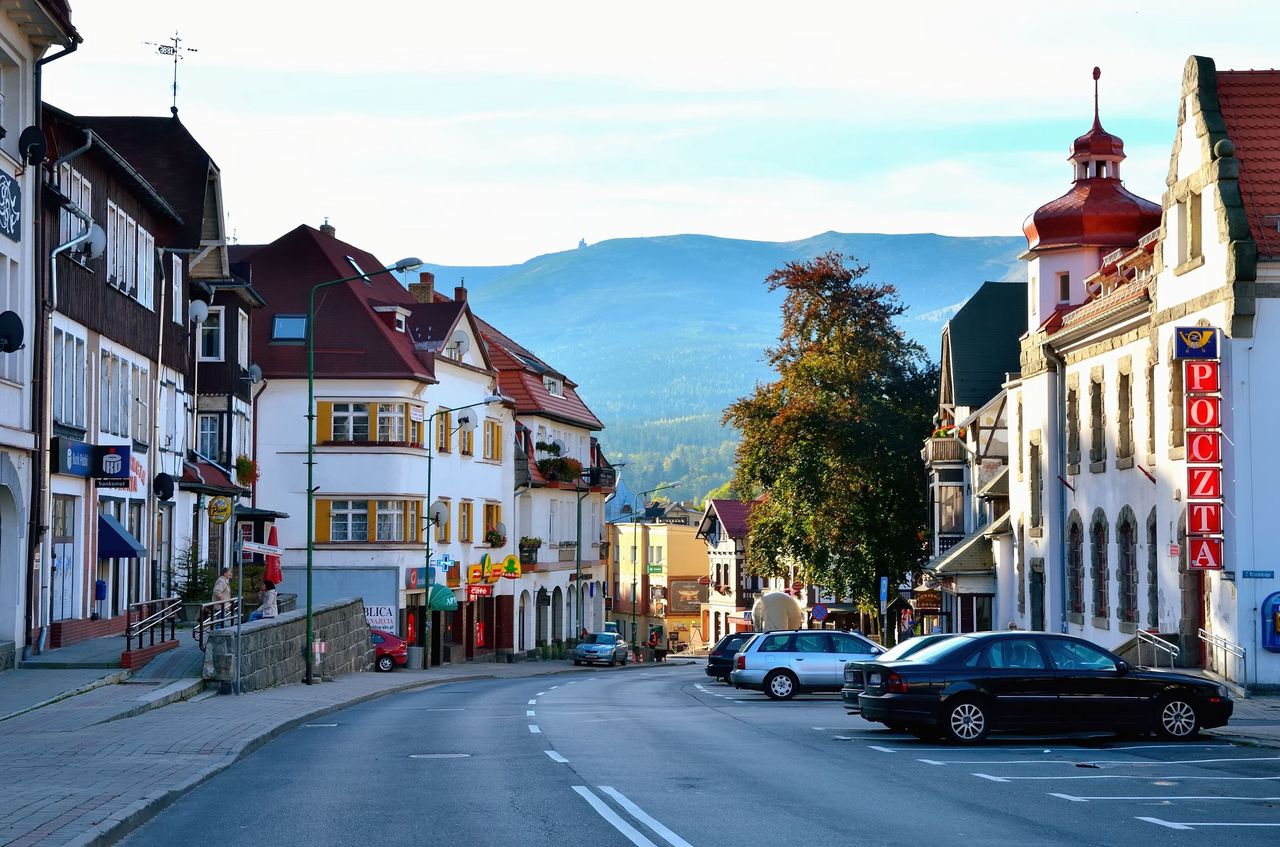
x=317, y=725
x=540, y=693
x=533, y=727
x=529, y=713
x=533, y=702
x=440, y=756
x=602, y=809
x=1139, y=776
x=1194, y=824
x=556, y=757
x=931, y=761
x=990, y=777
x=882, y=749
x=1107, y=762
x=1075, y=799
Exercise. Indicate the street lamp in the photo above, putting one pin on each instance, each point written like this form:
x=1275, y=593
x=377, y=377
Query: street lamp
x=496, y=397
x=407, y=264
x=635, y=532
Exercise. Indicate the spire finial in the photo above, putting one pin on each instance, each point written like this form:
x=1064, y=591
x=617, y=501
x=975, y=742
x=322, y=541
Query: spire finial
x=1097, y=74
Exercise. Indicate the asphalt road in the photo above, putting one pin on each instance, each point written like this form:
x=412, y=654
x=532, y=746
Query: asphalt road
x=663, y=756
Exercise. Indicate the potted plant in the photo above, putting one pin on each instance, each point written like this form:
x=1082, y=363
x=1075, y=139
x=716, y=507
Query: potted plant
x=560, y=468
x=246, y=470
x=494, y=538
x=550, y=448
x=529, y=549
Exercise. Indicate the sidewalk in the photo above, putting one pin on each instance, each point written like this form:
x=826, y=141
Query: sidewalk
x=77, y=772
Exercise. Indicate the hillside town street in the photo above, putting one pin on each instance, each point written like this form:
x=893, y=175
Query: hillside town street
x=545, y=753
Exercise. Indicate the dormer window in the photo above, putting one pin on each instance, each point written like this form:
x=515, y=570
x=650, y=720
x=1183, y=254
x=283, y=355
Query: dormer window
x=555, y=387
x=1064, y=288
x=399, y=323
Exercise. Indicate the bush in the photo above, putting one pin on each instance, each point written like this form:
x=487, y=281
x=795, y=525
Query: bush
x=194, y=580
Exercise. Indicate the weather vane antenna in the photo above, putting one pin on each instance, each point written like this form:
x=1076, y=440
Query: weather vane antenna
x=175, y=49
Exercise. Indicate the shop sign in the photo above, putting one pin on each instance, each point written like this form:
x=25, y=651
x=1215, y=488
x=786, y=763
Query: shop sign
x=653, y=569
x=928, y=601
x=219, y=510
x=475, y=574
x=10, y=207
x=111, y=465
x=511, y=567
x=381, y=617
x=415, y=578
x=71, y=457
x=1202, y=384
x=1204, y=554
x=474, y=591
x=1195, y=342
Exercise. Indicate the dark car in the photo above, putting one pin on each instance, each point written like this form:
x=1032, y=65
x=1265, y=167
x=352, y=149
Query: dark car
x=389, y=651
x=853, y=670
x=720, y=659
x=964, y=687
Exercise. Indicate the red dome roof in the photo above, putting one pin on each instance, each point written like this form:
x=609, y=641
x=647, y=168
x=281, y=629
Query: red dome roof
x=1097, y=143
x=1098, y=212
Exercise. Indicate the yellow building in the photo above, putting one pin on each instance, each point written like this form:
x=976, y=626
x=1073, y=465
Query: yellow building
x=656, y=576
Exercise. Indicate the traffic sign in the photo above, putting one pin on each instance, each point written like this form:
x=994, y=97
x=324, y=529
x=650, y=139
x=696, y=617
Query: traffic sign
x=820, y=612
x=261, y=549
x=884, y=593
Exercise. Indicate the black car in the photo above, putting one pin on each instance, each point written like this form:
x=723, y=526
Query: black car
x=720, y=659
x=964, y=687
x=853, y=670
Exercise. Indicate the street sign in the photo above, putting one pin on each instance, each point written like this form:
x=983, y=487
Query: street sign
x=261, y=549
x=1258, y=574
x=746, y=615
x=654, y=568
x=220, y=510
x=884, y=593
x=820, y=612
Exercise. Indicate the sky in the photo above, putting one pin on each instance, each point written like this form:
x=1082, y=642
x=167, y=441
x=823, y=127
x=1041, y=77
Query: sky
x=491, y=132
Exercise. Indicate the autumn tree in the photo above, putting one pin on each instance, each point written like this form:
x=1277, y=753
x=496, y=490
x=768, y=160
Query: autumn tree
x=834, y=442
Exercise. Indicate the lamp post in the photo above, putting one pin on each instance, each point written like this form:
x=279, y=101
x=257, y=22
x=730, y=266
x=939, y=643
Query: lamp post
x=496, y=397
x=635, y=532
x=407, y=264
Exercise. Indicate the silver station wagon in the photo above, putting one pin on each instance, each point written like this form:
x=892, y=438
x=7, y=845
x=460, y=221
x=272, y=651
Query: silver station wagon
x=786, y=663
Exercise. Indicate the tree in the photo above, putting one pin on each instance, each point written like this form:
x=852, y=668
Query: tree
x=835, y=441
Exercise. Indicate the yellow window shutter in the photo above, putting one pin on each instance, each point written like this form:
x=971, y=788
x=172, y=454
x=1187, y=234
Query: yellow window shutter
x=372, y=532
x=324, y=422
x=408, y=424
x=322, y=521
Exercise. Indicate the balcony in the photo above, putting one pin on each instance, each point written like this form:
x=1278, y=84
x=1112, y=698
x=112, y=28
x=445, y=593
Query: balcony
x=943, y=449
x=606, y=477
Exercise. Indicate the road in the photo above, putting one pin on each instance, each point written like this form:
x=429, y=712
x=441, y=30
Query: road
x=663, y=756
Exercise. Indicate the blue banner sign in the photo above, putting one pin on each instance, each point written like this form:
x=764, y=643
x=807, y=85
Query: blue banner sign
x=1258, y=574
x=1195, y=342
x=71, y=457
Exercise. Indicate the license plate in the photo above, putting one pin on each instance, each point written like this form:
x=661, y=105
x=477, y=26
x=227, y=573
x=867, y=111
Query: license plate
x=873, y=679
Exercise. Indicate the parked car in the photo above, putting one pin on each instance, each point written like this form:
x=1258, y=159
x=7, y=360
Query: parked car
x=853, y=670
x=783, y=664
x=604, y=647
x=967, y=686
x=720, y=659
x=389, y=651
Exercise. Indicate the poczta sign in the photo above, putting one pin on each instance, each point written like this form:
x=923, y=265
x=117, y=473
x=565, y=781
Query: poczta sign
x=1198, y=348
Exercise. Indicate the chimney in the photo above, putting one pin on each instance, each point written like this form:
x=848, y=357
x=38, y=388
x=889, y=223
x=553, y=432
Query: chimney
x=327, y=229
x=460, y=293
x=424, y=290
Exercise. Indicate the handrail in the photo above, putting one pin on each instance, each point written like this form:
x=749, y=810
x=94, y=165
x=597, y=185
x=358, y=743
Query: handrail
x=1158, y=645
x=158, y=612
x=1217, y=642
x=216, y=615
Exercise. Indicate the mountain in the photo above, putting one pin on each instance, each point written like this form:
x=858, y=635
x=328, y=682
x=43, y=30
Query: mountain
x=661, y=334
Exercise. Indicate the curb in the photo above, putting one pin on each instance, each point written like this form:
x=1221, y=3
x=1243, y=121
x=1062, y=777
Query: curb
x=121, y=823
x=109, y=679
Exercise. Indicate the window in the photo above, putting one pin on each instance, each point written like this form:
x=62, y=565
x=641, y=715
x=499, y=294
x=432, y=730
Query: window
x=243, y=338
x=775, y=644
x=350, y=422
x=131, y=261
x=444, y=431
x=846, y=643
x=211, y=336
x=1151, y=410
x=1020, y=567
x=391, y=422
x=209, y=438
x=467, y=441
x=349, y=520
x=1017, y=443
x=141, y=390
x=13, y=295
x=1189, y=229
x=80, y=192
x=390, y=520
x=1153, y=574
x=492, y=517
x=69, y=365
x=1064, y=287
x=1037, y=487
x=1177, y=426
x=554, y=386
x=1075, y=566
x=289, y=329
x=176, y=289
x=1099, y=536
x=1015, y=653
x=810, y=642
x=465, y=521
x=115, y=397
x=442, y=528
x=356, y=265
x=1127, y=572
x=1075, y=656
x=1124, y=419
x=493, y=440
x=950, y=508
x=1097, y=420
x=1073, y=425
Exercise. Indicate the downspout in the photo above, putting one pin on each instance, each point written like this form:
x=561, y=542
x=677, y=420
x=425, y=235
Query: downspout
x=162, y=316
x=262, y=388
x=1060, y=442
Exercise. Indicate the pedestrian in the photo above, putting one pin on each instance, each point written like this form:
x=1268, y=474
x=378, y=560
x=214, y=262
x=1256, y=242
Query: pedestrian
x=266, y=602
x=222, y=595
x=1013, y=625
x=582, y=636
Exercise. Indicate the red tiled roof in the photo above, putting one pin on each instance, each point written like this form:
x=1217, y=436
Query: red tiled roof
x=352, y=340
x=1250, y=103
x=733, y=516
x=203, y=475
x=520, y=375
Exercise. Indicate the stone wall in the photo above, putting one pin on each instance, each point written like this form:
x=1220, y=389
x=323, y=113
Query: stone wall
x=7, y=655
x=272, y=650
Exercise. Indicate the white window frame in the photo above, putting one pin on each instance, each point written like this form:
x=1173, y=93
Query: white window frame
x=344, y=512
x=203, y=432
x=179, y=313
x=242, y=336
x=390, y=422
x=390, y=520
x=554, y=385
x=220, y=328
x=70, y=372
x=348, y=416
x=80, y=192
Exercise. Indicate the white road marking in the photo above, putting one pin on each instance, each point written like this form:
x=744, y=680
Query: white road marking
x=440, y=756
x=602, y=809
x=1069, y=797
x=571, y=682
x=843, y=738
x=1108, y=762
x=556, y=757
x=1194, y=824
x=553, y=688
x=533, y=702
x=529, y=713
x=1146, y=777
x=1168, y=747
x=314, y=725
x=640, y=815
x=820, y=728
x=882, y=749
x=533, y=727
x=1076, y=799
x=931, y=761
x=990, y=777
x=540, y=693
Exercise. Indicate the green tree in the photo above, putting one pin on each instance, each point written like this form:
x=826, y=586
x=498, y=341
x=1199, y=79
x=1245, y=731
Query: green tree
x=835, y=440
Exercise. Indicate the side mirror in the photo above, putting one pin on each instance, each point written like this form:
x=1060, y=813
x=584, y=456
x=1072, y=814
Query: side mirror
x=1122, y=668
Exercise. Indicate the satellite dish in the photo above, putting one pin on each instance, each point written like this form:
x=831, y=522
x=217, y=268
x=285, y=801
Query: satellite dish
x=460, y=342
x=93, y=246
x=438, y=512
x=163, y=486
x=500, y=528
x=467, y=421
x=32, y=145
x=255, y=374
x=10, y=332
x=198, y=311
x=558, y=445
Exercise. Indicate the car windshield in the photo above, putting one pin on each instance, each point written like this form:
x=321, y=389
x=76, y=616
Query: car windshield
x=742, y=648
x=937, y=650
x=600, y=638
x=911, y=646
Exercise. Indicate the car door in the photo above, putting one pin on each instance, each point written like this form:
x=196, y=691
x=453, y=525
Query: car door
x=811, y=658
x=1016, y=676
x=1092, y=690
x=848, y=648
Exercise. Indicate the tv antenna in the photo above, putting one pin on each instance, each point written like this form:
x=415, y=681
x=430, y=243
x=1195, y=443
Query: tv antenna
x=175, y=49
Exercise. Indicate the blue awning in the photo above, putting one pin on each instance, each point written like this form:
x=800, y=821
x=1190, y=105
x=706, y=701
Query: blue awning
x=116, y=542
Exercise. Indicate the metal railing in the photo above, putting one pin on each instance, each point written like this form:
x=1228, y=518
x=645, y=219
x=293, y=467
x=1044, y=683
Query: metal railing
x=148, y=617
x=217, y=615
x=1223, y=647
x=1158, y=645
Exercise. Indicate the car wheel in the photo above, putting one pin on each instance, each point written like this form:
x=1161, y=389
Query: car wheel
x=385, y=663
x=965, y=722
x=611, y=662
x=624, y=661
x=1176, y=719
x=780, y=685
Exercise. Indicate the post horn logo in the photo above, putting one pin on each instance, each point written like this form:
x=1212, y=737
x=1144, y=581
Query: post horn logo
x=1196, y=339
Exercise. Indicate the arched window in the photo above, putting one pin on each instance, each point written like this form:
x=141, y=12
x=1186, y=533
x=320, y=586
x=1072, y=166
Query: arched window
x=1127, y=572
x=1153, y=574
x=1098, y=538
x=1075, y=564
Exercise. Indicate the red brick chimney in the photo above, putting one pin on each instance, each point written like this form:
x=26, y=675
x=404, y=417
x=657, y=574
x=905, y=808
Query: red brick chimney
x=424, y=290
x=328, y=229
x=460, y=293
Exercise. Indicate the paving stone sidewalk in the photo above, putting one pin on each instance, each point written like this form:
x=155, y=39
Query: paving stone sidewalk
x=77, y=774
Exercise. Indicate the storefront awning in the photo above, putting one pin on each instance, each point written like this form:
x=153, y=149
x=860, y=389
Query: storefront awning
x=442, y=599
x=116, y=542
x=972, y=554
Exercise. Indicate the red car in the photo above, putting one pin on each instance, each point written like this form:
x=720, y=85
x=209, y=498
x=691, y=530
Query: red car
x=389, y=651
